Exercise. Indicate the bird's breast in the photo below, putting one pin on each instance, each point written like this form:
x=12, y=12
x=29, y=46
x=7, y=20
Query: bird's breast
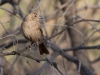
x=32, y=31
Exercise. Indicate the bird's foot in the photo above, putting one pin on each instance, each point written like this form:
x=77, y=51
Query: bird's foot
x=34, y=44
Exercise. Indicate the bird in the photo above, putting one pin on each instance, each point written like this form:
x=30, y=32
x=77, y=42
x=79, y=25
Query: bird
x=32, y=31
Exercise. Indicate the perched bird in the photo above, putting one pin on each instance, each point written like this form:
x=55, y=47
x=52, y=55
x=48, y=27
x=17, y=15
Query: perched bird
x=32, y=31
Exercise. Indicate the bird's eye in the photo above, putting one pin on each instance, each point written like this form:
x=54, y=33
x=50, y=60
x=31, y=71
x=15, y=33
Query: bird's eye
x=35, y=14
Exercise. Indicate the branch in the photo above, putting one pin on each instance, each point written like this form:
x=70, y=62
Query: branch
x=83, y=69
x=20, y=54
x=82, y=47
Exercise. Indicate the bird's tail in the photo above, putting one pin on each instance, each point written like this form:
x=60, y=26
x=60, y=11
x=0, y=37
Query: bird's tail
x=43, y=49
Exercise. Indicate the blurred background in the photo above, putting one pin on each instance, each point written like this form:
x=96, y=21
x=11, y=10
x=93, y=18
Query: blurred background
x=73, y=51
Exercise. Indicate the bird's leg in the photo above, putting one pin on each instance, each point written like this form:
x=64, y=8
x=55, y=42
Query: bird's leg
x=37, y=43
x=33, y=44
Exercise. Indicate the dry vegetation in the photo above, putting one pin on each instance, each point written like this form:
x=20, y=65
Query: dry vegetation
x=72, y=32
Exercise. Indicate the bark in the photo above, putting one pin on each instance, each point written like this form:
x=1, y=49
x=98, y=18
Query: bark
x=77, y=39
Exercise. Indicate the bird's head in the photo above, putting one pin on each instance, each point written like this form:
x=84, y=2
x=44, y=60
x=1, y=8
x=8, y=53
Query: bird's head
x=31, y=17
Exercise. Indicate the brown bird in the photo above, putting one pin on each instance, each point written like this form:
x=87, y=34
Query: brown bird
x=32, y=31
